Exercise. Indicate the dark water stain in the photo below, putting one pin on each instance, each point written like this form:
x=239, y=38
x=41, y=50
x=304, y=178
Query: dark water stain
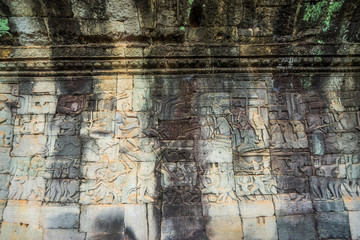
x=26, y=86
x=196, y=14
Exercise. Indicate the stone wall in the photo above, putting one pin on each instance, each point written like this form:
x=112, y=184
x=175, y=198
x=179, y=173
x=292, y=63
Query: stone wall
x=179, y=120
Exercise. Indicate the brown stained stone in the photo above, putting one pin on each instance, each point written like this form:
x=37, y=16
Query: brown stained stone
x=70, y=104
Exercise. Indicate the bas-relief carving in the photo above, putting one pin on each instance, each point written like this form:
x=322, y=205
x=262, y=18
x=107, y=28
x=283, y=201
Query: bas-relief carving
x=62, y=190
x=336, y=176
x=27, y=178
x=119, y=182
x=218, y=184
x=179, y=174
x=21, y=145
x=288, y=134
x=7, y=103
x=30, y=104
x=238, y=150
x=250, y=132
x=255, y=177
x=30, y=124
x=62, y=167
x=109, y=183
x=297, y=164
x=6, y=135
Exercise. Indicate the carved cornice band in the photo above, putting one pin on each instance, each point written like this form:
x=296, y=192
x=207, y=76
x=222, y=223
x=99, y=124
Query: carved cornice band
x=177, y=59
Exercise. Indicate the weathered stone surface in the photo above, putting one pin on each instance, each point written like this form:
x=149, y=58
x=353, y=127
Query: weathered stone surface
x=22, y=212
x=296, y=227
x=28, y=27
x=352, y=204
x=20, y=231
x=59, y=234
x=255, y=209
x=354, y=217
x=106, y=218
x=30, y=145
x=285, y=205
x=2, y=206
x=176, y=119
x=183, y=228
x=58, y=217
x=329, y=206
x=260, y=228
x=4, y=182
x=333, y=225
x=222, y=221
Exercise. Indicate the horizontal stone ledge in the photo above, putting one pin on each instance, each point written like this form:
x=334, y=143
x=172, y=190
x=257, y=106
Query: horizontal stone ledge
x=179, y=71
x=191, y=50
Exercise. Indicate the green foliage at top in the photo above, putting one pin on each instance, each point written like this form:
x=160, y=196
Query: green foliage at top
x=333, y=7
x=322, y=7
x=4, y=27
x=314, y=11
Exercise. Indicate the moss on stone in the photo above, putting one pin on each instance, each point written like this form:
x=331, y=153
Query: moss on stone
x=313, y=12
x=4, y=27
x=307, y=82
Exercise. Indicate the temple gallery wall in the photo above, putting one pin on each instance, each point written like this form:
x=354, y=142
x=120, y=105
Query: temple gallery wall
x=179, y=120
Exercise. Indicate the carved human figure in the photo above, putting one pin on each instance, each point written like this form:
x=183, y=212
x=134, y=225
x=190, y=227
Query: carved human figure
x=276, y=134
x=147, y=182
x=5, y=113
x=247, y=135
x=260, y=126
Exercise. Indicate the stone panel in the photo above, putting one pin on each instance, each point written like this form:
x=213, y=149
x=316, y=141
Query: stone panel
x=333, y=225
x=296, y=227
x=260, y=228
x=58, y=217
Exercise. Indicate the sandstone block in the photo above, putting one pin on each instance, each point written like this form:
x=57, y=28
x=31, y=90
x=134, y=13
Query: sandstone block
x=296, y=227
x=255, y=209
x=332, y=225
x=329, y=205
x=260, y=228
x=63, y=217
x=179, y=228
x=22, y=212
x=224, y=227
x=286, y=206
x=102, y=218
x=352, y=204
x=62, y=234
x=354, y=219
x=20, y=231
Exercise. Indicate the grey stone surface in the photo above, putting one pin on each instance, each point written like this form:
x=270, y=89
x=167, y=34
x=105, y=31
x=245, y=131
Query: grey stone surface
x=333, y=225
x=296, y=227
x=284, y=206
x=98, y=218
x=60, y=234
x=354, y=218
x=58, y=217
x=20, y=231
x=329, y=206
x=183, y=228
